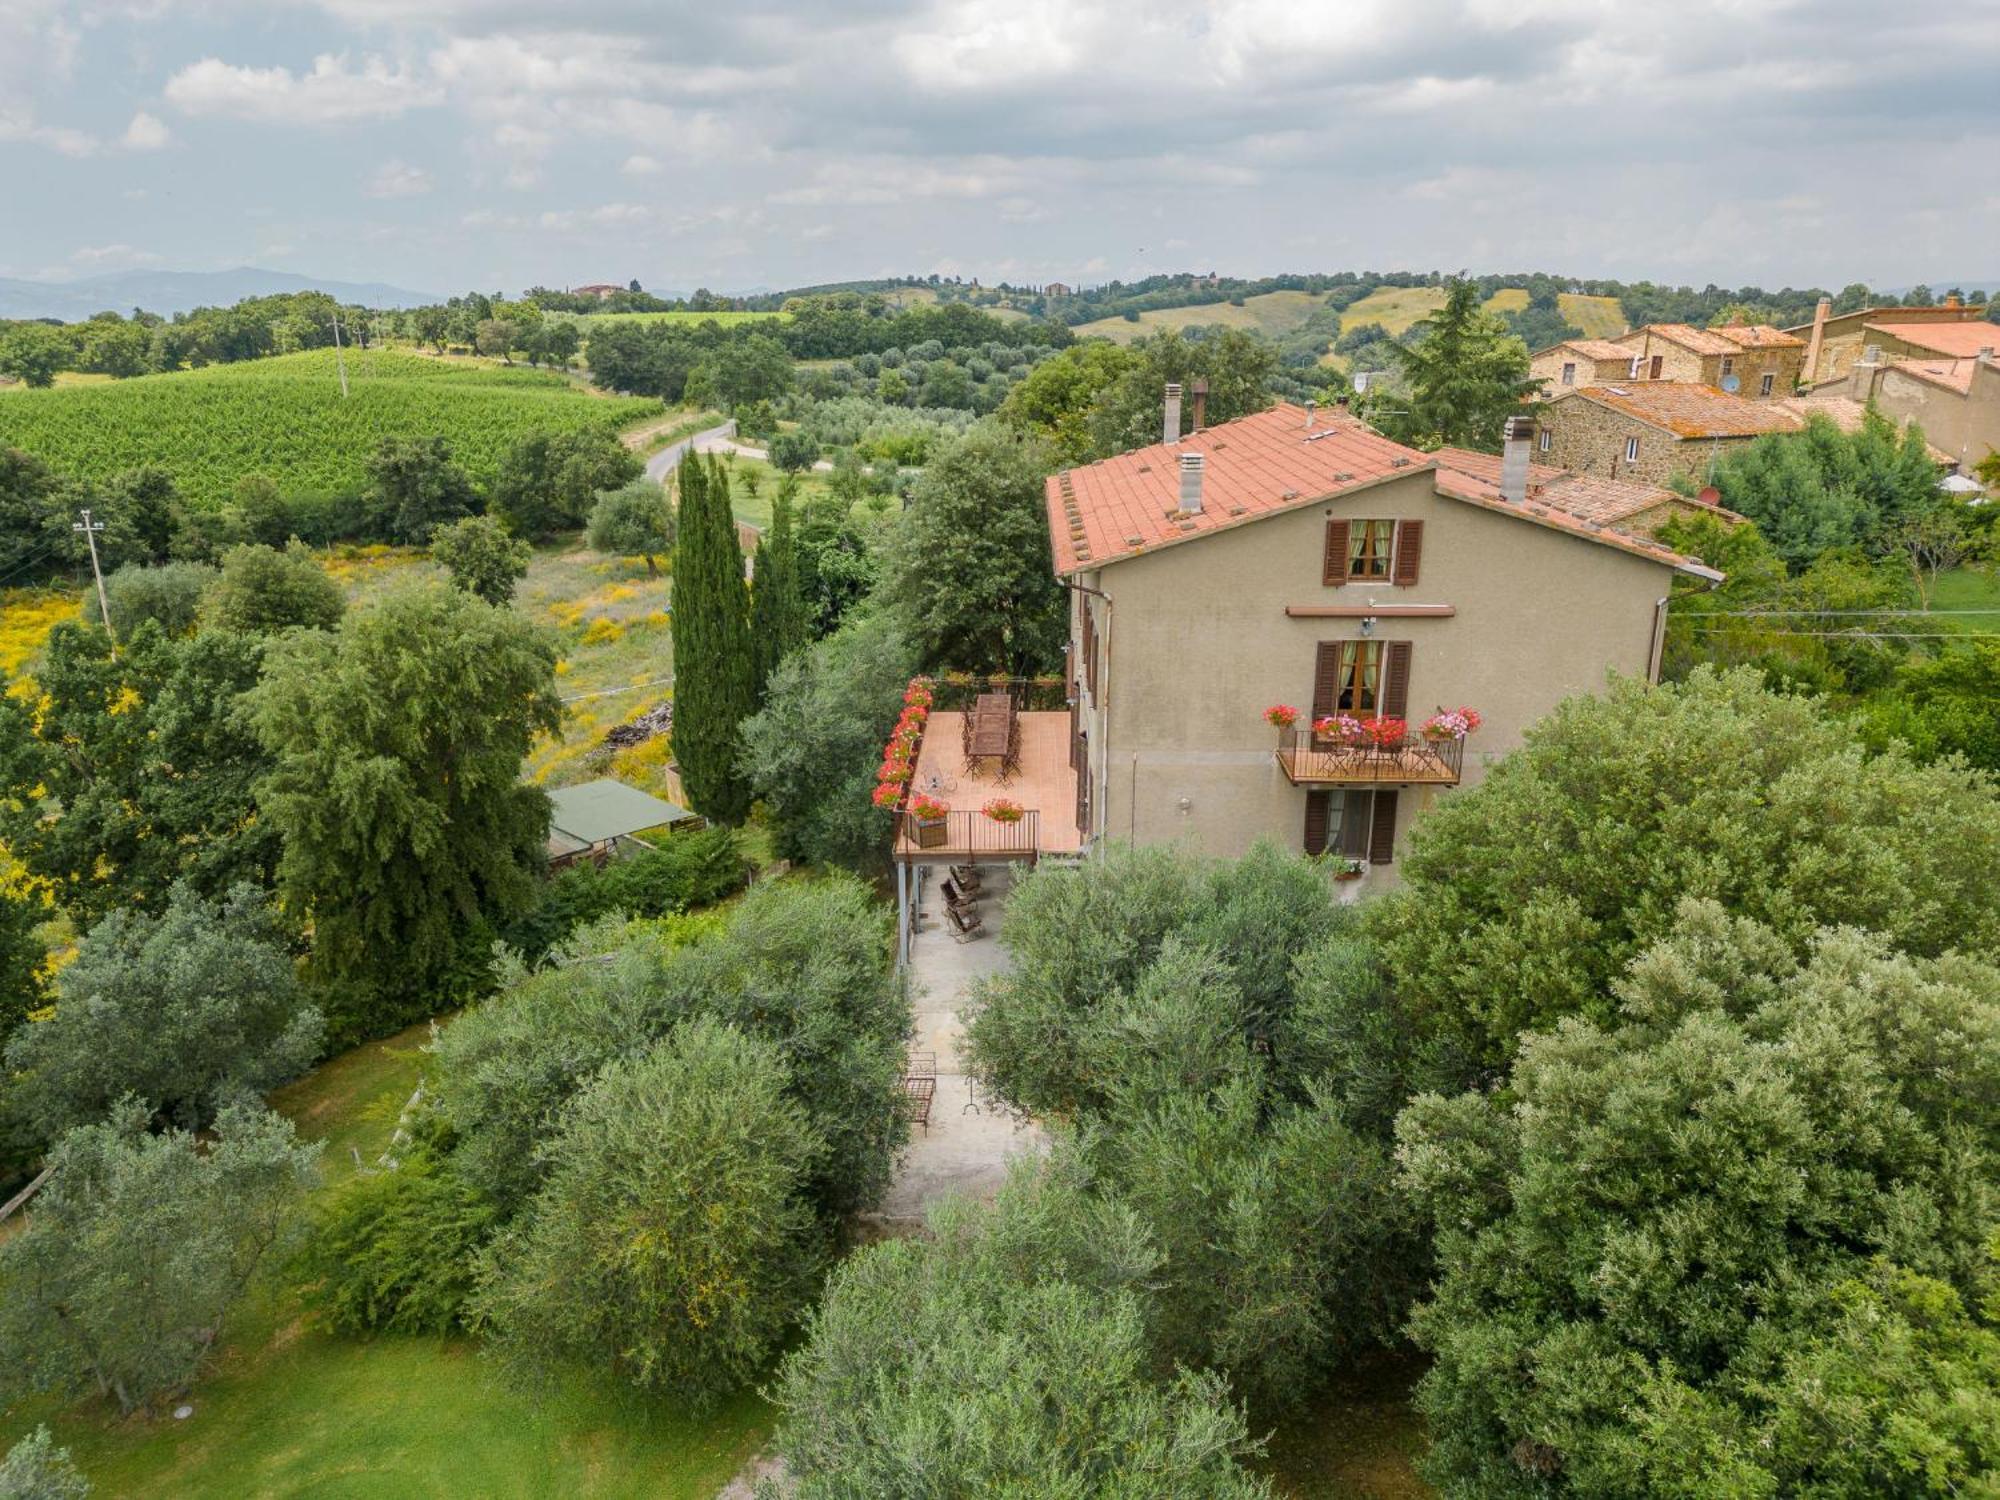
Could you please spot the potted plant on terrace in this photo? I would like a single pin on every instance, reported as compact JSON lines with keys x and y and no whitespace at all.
{"x":1450,"y":724}
{"x":1281,"y":716}
{"x":928,"y":814}
{"x":1003,"y":810}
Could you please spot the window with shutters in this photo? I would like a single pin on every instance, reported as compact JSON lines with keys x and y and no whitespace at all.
{"x":1356,"y":824}
{"x":1358,"y":685}
{"x":1370,"y":548}
{"x":1362,"y":677}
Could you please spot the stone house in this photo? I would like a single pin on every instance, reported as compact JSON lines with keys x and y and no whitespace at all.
{"x":1303,"y":559}
{"x":1955,"y":401}
{"x":1836,"y":342}
{"x":1579,"y":362}
{"x":1651,"y":430}
{"x":1748,"y":359}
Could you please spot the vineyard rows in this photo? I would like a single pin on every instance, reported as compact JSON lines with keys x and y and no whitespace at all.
{"x":285,"y":418}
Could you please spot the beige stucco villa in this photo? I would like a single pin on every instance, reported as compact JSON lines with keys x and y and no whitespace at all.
{"x":1303,"y":559}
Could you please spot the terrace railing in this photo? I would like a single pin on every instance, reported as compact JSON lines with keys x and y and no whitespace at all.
{"x":956,"y":692}
{"x":1310,"y":759}
{"x":972,"y":834}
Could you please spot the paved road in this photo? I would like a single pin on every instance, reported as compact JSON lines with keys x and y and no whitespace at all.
{"x":658,"y":465}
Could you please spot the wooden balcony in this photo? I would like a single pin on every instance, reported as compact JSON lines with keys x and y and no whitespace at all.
{"x":1315,"y":760}
{"x":1043,"y":783}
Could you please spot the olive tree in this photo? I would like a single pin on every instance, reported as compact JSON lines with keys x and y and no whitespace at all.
{"x":137,"y":1248}
{"x":1524,"y":897}
{"x":262,"y":590}
{"x":481,"y":558}
{"x":672,"y":1240}
{"x":182,"y":1012}
{"x":1653,"y":1245}
{"x":634,"y":520}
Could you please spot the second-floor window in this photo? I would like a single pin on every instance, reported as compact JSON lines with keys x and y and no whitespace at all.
{"x":1764,"y":387}
{"x":1631,"y":450}
{"x":1544,"y":439}
{"x":1358,"y":683}
{"x":1371,"y":546}
{"x":1569,"y":373}
{"x":1728,"y":364}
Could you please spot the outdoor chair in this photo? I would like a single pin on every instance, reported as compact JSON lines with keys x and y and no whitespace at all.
{"x":955,"y":897}
{"x":967,"y":877}
{"x":964,"y":926}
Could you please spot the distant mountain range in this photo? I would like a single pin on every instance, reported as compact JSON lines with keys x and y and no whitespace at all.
{"x":169,"y":292}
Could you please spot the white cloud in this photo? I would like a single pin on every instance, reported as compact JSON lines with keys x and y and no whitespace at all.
{"x":146,"y":133}
{"x":17,"y":124}
{"x":397,"y":179}
{"x":642,"y":166}
{"x":103,"y":257}
{"x":606,"y":216}
{"x":331,"y":93}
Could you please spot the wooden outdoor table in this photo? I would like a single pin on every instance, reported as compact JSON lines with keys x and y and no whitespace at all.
{"x":992,"y":724}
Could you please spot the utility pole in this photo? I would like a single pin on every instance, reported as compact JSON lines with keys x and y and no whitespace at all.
{"x":339,"y":355}
{"x":90,"y":528}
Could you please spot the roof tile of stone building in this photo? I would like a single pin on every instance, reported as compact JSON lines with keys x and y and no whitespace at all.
{"x":1591,"y":349}
{"x":1588,"y":497}
{"x":1261,"y":465}
{"x":1688,"y":409}
{"x":1952,"y":374}
{"x":1731,"y":339}
{"x":1956,"y":340}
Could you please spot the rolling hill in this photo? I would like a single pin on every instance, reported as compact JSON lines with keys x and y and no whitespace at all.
{"x":170,"y":292}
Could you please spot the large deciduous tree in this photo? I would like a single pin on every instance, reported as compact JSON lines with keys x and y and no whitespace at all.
{"x":1524,"y":897}
{"x":1463,"y":374}
{"x":184,"y":1012}
{"x":549,"y":481}
{"x":137,"y":1248}
{"x":714,"y":664}
{"x":1724,"y":1243}
{"x":415,"y":487}
{"x":398,"y":744}
{"x":263,"y":591}
{"x":969,"y":569}
{"x":137,"y":770}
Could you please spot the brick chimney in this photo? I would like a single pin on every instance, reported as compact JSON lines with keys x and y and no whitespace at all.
{"x":1820,"y":315}
{"x":1954,"y":301}
{"x":1170,"y":423}
{"x":1191,"y":467}
{"x":1200,"y":390}
{"x":1515,"y":438}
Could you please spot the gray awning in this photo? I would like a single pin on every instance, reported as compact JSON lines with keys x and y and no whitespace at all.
{"x":598,"y":811}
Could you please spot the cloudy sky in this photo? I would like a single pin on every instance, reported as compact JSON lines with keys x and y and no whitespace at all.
{"x":735,"y":143}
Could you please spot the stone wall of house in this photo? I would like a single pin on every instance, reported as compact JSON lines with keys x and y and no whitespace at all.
{"x":1750,"y":366}
{"x":1676,"y":362}
{"x":1548,"y":368}
{"x":1964,"y":424}
{"x":1590,"y":439}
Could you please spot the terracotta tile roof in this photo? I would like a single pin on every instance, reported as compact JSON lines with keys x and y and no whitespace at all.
{"x":1688,"y":409}
{"x":1700,"y":340}
{"x":1539,"y":510}
{"x":1952,"y":374}
{"x":1758,"y":336}
{"x":1591,"y":349}
{"x":1588,"y":497}
{"x":1263,"y":465}
{"x":1957,"y":340}
{"x":1256,"y":466}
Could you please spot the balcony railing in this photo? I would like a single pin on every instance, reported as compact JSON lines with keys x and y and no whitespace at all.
{"x":971,"y":834}
{"x":1319,"y":760}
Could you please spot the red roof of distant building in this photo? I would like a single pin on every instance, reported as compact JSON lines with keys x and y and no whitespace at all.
{"x":1956,"y":340}
{"x":1689,"y":409}
{"x":1732,"y":338}
{"x":1592,"y":349}
{"x":1260,"y":465}
{"x":1952,"y":374}
{"x":1588,"y":497}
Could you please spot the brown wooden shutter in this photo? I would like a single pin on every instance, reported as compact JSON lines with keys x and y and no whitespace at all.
{"x":1336,"y":553}
{"x":1409,"y":552}
{"x":1395,"y":679}
{"x":1382,"y":830}
{"x":1316,"y":811}
{"x":1354,"y":823}
{"x":1326,"y":679}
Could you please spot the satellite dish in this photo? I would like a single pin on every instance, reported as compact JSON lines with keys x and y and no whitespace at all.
{"x":1732,"y":383}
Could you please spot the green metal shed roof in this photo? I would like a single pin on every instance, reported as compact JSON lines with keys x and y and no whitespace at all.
{"x":598,"y":811}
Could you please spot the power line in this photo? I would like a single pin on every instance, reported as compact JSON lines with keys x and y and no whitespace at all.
{"x":1785,"y":614}
{"x":1869,"y":635}
{"x":31,"y":561}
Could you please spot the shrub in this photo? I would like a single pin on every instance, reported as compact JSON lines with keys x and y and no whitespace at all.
{"x":262,"y":591}
{"x":681,"y":873}
{"x":36,"y":1469}
{"x":170,"y":594}
{"x":394,"y":1251}
{"x":1649,"y":1244}
{"x":136,"y":1249}
{"x":481,"y":558}
{"x":183,"y":1012}
{"x":672,"y":1240}
{"x":635,"y":520}
{"x":1031,"y":1374}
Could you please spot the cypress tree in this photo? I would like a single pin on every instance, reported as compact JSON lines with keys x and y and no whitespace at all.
{"x":713,"y":665}
{"x":777,"y":602}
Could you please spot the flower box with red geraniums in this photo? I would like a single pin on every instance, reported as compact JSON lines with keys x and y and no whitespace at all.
{"x":1450,"y":724}
{"x":1004,"y":810}
{"x":1386,"y":734}
{"x":899,"y":755}
{"x":928,"y":809}
{"x":1281,"y":716}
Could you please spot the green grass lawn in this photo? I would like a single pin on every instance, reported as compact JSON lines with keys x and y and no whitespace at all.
{"x":1966,"y":590}
{"x":1355,"y":1441}
{"x":292,"y":1411}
